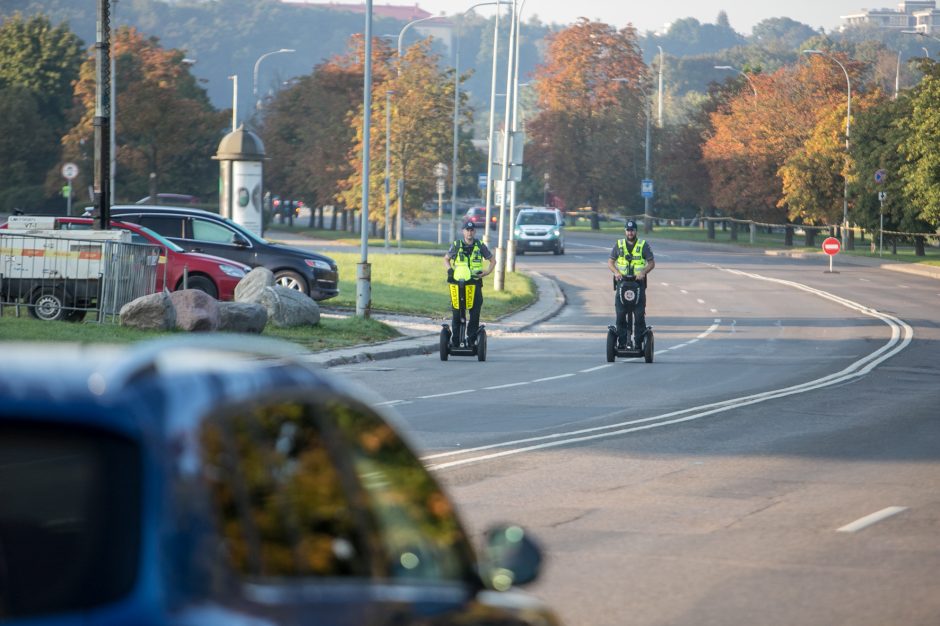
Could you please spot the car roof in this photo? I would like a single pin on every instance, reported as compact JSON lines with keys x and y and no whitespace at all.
{"x":162,"y":208}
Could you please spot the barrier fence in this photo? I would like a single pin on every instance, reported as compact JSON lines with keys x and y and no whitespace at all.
{"x":66,"y":278}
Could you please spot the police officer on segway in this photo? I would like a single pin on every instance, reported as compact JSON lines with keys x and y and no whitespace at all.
{"x":464,"y":261}
{"x":631,"y":257}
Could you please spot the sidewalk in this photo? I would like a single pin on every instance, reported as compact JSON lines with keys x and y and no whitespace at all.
{"x":919,"y":269}
{"x":422,"y":335}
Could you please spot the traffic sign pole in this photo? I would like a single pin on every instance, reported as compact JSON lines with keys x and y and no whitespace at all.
{"x":831,"y":246}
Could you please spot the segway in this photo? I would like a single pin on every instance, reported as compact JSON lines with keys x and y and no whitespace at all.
{"x":462,"y":293}
{"x":629,"y":291}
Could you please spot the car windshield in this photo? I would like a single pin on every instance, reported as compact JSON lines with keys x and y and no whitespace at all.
{"x":246,"y":233}
{"x":539,"y":219}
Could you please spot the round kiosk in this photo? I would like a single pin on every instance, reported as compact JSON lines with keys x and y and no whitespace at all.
{"x":240,"y":158}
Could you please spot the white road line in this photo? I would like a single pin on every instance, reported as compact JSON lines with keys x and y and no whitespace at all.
{"x":449,"y":393}
{"x":594,"y":369}
{"x":712,"y":310}
{"x":542,"y":380}
{"x":700,"y":301}
{"x":505,"y":386}
{"x":683,"y":291}
{"x":868,"y":520}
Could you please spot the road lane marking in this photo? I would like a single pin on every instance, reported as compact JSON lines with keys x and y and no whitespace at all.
{"x":594,"y":369}
{"x":542,"y":380}
{"x":700,"y":301}
{"x":449,"y":393}
{"x":526,"y":382}
{"x":869,"y":520}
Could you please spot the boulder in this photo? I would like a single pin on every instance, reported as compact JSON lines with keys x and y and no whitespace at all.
{"x":195,"y":310}
{"x":249,"y":288}
{"x":151,"y":312}
{"x":287,"y":307}
{"x":242,"y":317}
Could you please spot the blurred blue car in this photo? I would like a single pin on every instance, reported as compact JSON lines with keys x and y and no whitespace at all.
{"x":181,"y":482}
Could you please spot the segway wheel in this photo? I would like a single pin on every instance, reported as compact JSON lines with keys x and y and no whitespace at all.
{"x":445,"y":343}
{"x":481,"y":345}
{"x":611,"y":346}
{"x":648,"y":346}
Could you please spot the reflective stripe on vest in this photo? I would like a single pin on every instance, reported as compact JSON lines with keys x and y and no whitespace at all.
{"x":464,"y":266}
{"x":630,"y":264}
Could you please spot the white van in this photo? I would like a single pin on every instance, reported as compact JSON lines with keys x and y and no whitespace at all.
{"x":539,"y":230}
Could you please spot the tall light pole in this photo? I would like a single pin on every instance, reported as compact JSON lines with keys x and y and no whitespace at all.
{"x":254,"y":80}
{"x":234,"y":79}
{"x":454,"y":160}
{"x":500,"y":273}
{"x":488,"y":191}
{"x":742,"y":73}
{"x":511,"y":246}
{"x":363,"y":270}
{"x":897,"y":77}
{"x":848,"y":122}
{"x":659,"y":100}
{"x":388,"y":153}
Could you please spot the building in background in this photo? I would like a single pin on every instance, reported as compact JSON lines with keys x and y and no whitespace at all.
{"x":921,"y":15}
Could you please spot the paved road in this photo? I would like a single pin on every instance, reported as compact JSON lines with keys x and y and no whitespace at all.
{"x":731,"y":480}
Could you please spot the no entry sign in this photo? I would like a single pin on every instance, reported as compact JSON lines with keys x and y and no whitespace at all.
{"x":831,"y":246}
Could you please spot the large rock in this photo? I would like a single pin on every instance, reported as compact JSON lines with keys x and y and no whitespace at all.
{"x":152,"y":312}
{"x":195,"y":310}
{"x":242,"y":317}
{"x":249,"y":288}
{"x":288,"y":307}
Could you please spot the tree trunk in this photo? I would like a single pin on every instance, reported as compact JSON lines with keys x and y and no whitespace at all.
{"x":734,"y":231}
{"x":919,"y":246}
{"x":810,"y":240}
{"x":788,"y":236}
{"x":850,"y":240}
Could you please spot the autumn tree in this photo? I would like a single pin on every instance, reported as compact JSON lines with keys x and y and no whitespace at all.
{"x":593,"y":98}
{"x":307,"y":128}
{"x":755,"y":136}
{"x":38,"y":64}
{"x":164,"y":125}
{"x":421,"y":133}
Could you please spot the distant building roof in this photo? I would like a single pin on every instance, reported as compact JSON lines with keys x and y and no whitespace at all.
{"x":392,"y":11}
{"x":904,"y":17}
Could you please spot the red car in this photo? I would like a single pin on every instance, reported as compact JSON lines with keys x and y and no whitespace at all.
{"x":212,"y":274}
{"x":477,"y":215}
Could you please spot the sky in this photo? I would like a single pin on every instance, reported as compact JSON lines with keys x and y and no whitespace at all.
{"x":652,"y":15}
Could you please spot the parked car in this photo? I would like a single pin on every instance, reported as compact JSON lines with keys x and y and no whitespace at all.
{"x":196,"y":230}
{"x":184,"y":481}
{"x":539,"y":230}
{"x":477,"y":215}
{"x":212,"y":274}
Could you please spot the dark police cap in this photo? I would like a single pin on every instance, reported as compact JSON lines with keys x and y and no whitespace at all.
{"x":469,"y":225}
{"x":630,"y":225}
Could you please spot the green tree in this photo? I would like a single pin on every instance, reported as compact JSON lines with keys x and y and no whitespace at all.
{"x":165,"y":124}
{"x":921,"y":151}
{"x":38,"y":64}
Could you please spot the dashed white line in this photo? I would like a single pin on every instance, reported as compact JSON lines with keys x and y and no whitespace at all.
{"x":542,"y":380}
{"x":449,"y":393}
{"x":594,"y":369}
{"x":868,"y":520}
{"x":700,"y":301}
{"x":507,"y":386}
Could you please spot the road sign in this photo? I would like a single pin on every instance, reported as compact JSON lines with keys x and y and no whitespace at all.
{"x":880,"y":176}
{"x":481,"y":181}
{"x":882,"y":195}
{"x":646,"y":188}
{"x":440,"y":186}
{"x":69,"y":171}
{"x":831,"y":246}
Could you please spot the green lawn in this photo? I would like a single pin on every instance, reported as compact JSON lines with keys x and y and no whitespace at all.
{"x":352,"y":239}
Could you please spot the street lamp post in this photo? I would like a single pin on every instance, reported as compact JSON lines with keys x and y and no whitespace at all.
{"x":848,"y":117}
{"x":254,"y":81}
{"x":388,"y":147}
{"x":489,"y":138}
{"x":500,"y":273}
{"x":659,"y":101}
{"x":742,"y":73}
{"x":363,"y":269}
{"x":234,"y":79}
